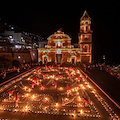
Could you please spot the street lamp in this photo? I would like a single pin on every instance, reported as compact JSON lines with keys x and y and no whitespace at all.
{"x":104,"y":58}
{"x":19,"y":57}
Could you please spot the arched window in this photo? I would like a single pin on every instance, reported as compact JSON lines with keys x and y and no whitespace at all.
{"x":86,"y":38}
{"x":58,"y":44}
{"x":85,"y":48}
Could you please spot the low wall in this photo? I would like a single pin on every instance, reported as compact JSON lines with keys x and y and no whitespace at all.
{"x":5,"y":85}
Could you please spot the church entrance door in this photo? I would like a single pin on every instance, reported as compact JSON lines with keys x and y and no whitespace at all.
{"x":73,"y":60}
{"x":58,"y":58}
{"x":45,"y":60}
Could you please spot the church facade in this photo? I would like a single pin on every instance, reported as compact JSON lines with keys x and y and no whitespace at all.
{"x":59,"y":49}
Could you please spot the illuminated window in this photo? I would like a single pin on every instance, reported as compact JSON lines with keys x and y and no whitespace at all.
{"x":12,"y":28}
{"x":85,"y":48}
{"x":10,"y":36}
{"x":18,"y":57}
{"x":59,"y":44}
{"x":86,"y":38}
{"x":82,"y":22}
{"x":18,"y":46}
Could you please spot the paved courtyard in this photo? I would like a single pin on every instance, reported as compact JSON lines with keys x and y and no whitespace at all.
{"x":50,"y":93}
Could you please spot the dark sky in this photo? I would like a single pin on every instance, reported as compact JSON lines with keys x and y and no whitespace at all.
{"x":45,"y":18}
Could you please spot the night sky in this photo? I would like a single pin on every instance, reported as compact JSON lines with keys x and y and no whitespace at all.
{"x":46,"y":18}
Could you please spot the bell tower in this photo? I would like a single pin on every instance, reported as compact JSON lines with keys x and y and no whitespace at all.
{"x":85,"y":39}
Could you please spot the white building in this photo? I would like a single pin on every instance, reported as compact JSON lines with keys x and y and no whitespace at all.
{"x":17,"y":37}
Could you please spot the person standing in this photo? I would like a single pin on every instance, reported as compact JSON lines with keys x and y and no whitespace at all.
{"x":4,"y":74}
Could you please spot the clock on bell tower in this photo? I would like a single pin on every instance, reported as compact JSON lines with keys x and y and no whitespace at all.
{"x":85,"y":39}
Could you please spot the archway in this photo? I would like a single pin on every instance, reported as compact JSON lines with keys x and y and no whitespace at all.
{"x":73,"y":60}
{"x":58,"y":58}
{"x":44,"y":59}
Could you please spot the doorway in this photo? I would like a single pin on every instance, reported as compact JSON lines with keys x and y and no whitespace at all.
{"x":58,"y":58}
{"x":45,"y":60}
{"x":73,"y":60}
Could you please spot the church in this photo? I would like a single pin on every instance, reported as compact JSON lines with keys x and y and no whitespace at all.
{"x":60,"y":51}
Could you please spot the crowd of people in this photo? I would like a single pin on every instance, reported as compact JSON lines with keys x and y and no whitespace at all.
{"x":112,"y":72}
{"x":3,"y":73}
{"x":102,"y":67}
{"x":27,"y":66}
{"x":93,"y":66}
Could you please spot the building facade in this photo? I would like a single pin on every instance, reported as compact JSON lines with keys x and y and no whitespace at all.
{"x":85,"y":39}
{"x":59,"y":49}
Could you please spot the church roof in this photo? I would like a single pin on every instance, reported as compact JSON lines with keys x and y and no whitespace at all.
{"x":85,"y":16}
{"x":59,"y":35}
